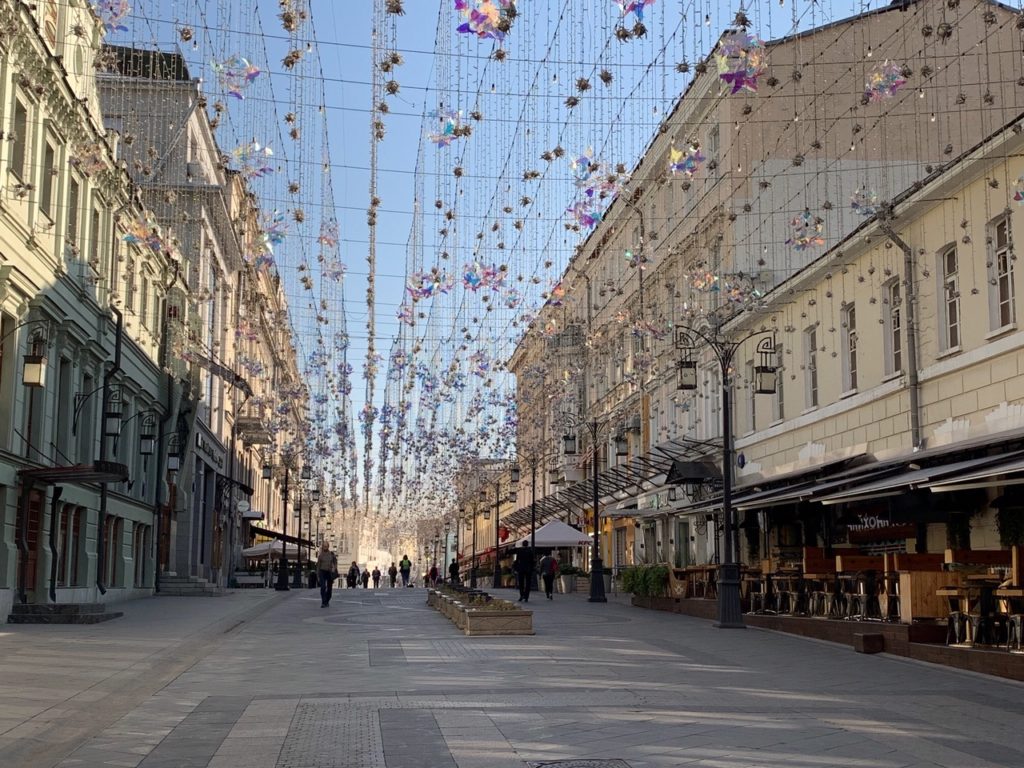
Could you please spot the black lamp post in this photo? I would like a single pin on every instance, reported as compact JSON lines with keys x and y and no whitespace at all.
{"x":730,"y":610}
{"x":597,"y":594}
{"x":282,"y":568}
{"x":472,"y":567}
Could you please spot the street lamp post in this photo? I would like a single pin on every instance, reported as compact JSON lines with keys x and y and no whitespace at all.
{"x":472,"y":567}
{"x":282,"y":566}
{"x":730,"y":610}
{"x":597,"y":594}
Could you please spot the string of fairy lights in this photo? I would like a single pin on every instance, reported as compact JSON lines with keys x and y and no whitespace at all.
{"x":494,"y":162}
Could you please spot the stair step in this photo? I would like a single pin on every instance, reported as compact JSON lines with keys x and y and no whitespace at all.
{"x":70,"y":613}
{"x":56,"y":609}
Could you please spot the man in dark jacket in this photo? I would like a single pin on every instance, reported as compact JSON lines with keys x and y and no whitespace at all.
{"x":523,"y":566}
{"x":453,"y":572}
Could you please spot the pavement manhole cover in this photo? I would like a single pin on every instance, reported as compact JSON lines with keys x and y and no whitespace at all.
{"x":581,"y":764}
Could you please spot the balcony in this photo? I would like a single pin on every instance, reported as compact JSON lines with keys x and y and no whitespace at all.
{"x":253,"y":427}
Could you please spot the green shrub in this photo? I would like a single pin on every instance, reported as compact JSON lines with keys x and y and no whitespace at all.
{"x":645,"y":580}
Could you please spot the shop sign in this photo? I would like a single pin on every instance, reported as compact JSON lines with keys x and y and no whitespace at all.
{"x":209,"y":451}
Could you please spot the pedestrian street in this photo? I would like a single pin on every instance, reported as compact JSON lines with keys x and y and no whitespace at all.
{"x":378,"y":680}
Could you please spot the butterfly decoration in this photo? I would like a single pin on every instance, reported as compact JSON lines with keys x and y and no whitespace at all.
{"x":90,"y":158}
{"x":583,"y":168}
{"x":806,"y":231}
{"x":252,"y":160}
{"x":475,"y":276}
{"x":450,"y":122}
{"x":556,"y":295}
{"x":235,"y":74}
{"x":741,"y":61}
{"x":636,"y":7}
{"x":884,"y":81}
{"x":1018,"y":190}
{"x":405,"y":315}
{"x":486,"y":19}
{"x":703,"y":279}
{"x":112,"y":13}
{"x":864,"y":202}
{"x":585,"y":214}
{"x":333,"y":271}
{"x":684,"y":161}
{"x":328,"y":234}
{"x":144,"y":232}
{"x":425,"y":285}
{"x":275,"y":229}
{"x":479,"y":363}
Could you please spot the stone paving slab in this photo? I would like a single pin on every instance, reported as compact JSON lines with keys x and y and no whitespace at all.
{"x":380,"y":681}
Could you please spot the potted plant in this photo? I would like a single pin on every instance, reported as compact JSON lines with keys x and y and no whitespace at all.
{"x":567,"y":578}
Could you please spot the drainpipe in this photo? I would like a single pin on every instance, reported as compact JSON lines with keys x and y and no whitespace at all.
{"x":54,"y":554}
{"x":910,"y":296}
{"x":107,"y":378}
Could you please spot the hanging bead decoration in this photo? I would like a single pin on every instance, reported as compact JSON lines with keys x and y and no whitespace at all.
{"x":806,"y":231}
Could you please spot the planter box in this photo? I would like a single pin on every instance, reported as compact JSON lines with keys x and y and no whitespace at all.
{"x":480,"y":622}
{"x":246,"y":580}
{"x":567,"y":584}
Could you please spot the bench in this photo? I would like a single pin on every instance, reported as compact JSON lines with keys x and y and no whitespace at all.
{"x":978,"y":556}
{"x":247,"y":580}
{"x":857,"y":563}
{"x":917,"y":561}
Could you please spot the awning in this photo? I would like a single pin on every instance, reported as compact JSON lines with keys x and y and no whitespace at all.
{"x":692,"y":472}
{"x":280,"y":536}
{"x":983,"y":478}
{"x":918,"y":477}
{"x":97,"y":472}
{"x":619,"y":483}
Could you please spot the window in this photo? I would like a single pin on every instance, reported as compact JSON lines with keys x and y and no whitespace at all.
{"x":849,"y":315}
{"x":129,"y":285}
{"x":74,"y":201}
{"x":712,"y":415}
{"x":48,"y":181}
{"x":778,"y":399}
{"x":19,"y":140}
{"x":144,"y":301}
{"x":94,"y":246}
{"x":712,"y":153}
{"x":949,"y":307}
{"x":892,"y":323}
{"x":751,"y":414}
{"x":1001,"y":297}
{"x":811,"y":366}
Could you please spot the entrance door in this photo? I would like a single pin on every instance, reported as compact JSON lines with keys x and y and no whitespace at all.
{"x":35,"y":519}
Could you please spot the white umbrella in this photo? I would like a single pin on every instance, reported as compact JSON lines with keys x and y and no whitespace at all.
{"x":271,"y":549}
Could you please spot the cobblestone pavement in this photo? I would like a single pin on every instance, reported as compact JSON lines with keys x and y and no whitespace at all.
{"x":378,"y":680}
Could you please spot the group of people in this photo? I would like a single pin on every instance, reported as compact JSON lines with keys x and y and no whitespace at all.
{"x":524,"y":566}
{"x":327,"y":572}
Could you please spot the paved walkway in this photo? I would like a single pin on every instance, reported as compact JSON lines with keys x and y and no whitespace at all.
{"x":264,"y":680}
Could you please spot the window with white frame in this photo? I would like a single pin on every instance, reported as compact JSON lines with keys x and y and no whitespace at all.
{"x":892,"y":325}
{"x":751,"y":409}
{"x":778,"y":400}
{"x":1001,"y":296}
{"x":811,"y":367}
{"x":713,"y":148}
{"x":129,"y":284}
{"x":48,"y":180}
{"x":19,"y":139}
{"x":949,"y":304}
{"x":849,"y":321}
{"x":74,"y":205}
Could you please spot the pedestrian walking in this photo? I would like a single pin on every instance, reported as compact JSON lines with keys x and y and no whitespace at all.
{"x":366,"y":578}
{"x":353,"y":575}
{"x":434,"y":573}
{"x":453,"y":572}
{"x":405,"y":568}
{"x":376,"y":577}
{"x":523,"y":566}
{"x":393,"y":575}
{"x":327,"y":572}
{"x":548,"y":571}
